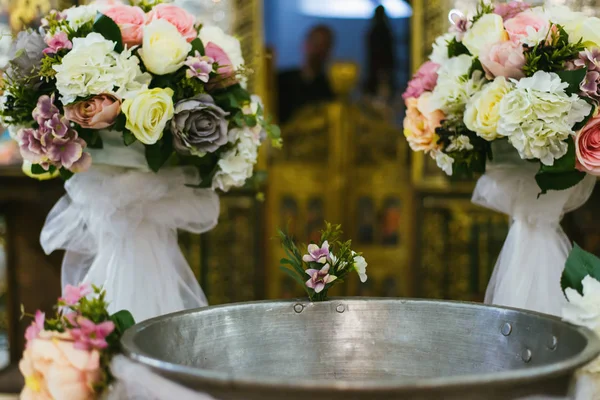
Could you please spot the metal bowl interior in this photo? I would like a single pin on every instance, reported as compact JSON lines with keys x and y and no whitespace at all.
{"x":359,"y":344}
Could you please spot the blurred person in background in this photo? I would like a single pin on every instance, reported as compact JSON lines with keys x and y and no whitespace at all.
{"x":309,"y":84}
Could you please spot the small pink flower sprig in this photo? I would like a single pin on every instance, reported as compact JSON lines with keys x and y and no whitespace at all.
{"x":76,"y":346}
{"x":325,"y":263}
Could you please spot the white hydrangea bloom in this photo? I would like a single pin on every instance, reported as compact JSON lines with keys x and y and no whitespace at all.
{"x":439,"y":55}
{"x":93,"y":67}
{"x":454,"y":86}
{"x":538,"y":116}
{"x":78,"y":16}
{"x":237,"y":165}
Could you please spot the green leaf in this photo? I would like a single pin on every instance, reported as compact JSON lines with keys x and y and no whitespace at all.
{"x":456,"y":48}
{"x":37,"y":169}
{"x":91,"y":137}
{"x":128,"y":138}
{"x":250,"y":120}
{"x":562,"y":174}
{"x":157,"y":154}
{"x":198,"y":46}
{"x":123,"y":320}
{"x":560,"y":181}
{"x":573,"y":78}
{"x":579,"y":264}
{"x":65,"y":174}
{"x":293,"y":275}
{"x":120,"y":123}
{"x":109,"y":29}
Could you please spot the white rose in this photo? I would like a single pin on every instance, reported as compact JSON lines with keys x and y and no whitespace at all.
{"x":164,"y":49}
{"x":230,"y":45}
{"x":483,"y":109}
{"x":439,"y":55}
{"x":488,"y":30}
{"x":93,"y":67}
{"x":443,"y":161}
{"x":80,"y":15}
{"x":459,"y":143}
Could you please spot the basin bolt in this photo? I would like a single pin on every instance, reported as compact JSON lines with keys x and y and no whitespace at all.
{"x":553,"y":343}
{"x":526,"y":356}
{"x":340,"y":308}
{"x":298,"y":308}
{"x":506,"y":329}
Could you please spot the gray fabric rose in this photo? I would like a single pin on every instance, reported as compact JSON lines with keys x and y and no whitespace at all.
{"x":199,"y":126}
{"x":26,"y":55}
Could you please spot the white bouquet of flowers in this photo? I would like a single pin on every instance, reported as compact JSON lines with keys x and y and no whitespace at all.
{"x":146,"y":115}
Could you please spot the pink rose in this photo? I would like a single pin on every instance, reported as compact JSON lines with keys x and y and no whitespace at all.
{"x":420,"y":123}
{"x":423,"y":81}
{"x":60,"y":41}
{"x":54,"y":369}
{"x":527,"y":25}
{"x":99,"y":112}
{"x":177,"y":16}
{"x":503,"y":59}
{"x":510,"y":10}
{"x":226,"y":71}
{"x":587,"y":147}
{"x":131,"y":21}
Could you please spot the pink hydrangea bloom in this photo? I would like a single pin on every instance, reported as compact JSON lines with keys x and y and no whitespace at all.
{"x":423,"y":81}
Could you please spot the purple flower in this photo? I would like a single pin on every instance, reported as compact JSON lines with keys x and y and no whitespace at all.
{"x":319,"y":278}
{"x":590,"y":87}
{"x":45,"y":109}
{"x":60,"y":41}
{"x":67,"y":153}
{"x":59,"y":126}
{"x":316,"y":253}
{"x":55,"y":142}
{"x":88,"y":335}
{"x":199,"y":67}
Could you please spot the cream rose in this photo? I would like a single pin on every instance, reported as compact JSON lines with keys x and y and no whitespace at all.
{"x":482,"y":111}
{"x":148,"y":113}
{"x":587,"y":29}
{"x":487,"y":31}
{"x":164,"y":50}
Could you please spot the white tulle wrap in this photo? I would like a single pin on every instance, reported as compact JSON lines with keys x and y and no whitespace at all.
{"x":136,"y":382}
{"x":119,"y":226}
{"x":528,"y":271}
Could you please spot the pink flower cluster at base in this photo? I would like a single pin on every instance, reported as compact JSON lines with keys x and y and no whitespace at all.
{"x":55,"y":369}
{"x":54,"y":142}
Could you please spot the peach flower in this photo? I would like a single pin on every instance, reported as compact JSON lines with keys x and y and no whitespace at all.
{"x":504,"y":59}
{"x":527,"y":27}
{"x":99,"y":112}
{"x":177,"y":16}
{"x":420,"y":123}
{"x":54,"y":369}
{"x":587,"y":147}
{"x":130,"y":20}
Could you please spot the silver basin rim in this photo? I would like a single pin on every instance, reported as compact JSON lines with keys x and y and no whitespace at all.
{"x":225,"y":379}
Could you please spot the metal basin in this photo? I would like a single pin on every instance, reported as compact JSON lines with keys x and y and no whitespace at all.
{"x":363,"y":349}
